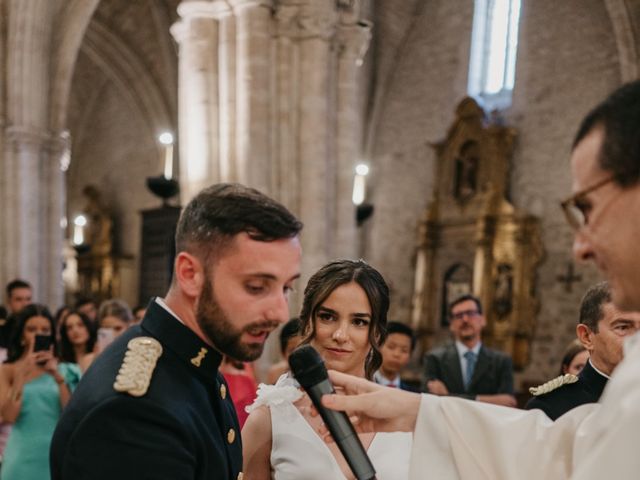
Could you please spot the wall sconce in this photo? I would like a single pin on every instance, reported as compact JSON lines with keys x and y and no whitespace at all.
{"x":79,"y":222}
{"x":165,"y":186}
{"x":363,"y":209}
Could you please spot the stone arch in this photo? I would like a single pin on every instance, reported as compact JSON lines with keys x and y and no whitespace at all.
{"x":129,"y":74}
{"x":385,"y":75}
{"x":625,"y":39}
{"x":74,"y":19}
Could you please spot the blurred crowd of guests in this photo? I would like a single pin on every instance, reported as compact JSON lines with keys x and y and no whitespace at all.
{"x":44,"y":356}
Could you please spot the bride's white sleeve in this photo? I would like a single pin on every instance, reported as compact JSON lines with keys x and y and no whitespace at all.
{"x":285,"y":392}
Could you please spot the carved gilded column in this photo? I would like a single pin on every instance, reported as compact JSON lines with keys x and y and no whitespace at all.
{"x":253,"y":93}
{"x":197,"y":34}
{"x":353,"y":40}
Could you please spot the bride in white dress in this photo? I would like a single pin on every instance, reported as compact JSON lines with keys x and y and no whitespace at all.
{"x":344,"y":316}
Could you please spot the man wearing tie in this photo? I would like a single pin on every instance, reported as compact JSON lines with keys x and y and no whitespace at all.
{"x":466,"y":368}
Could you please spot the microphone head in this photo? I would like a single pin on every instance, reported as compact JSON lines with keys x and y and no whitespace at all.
{"x":307,"y":366}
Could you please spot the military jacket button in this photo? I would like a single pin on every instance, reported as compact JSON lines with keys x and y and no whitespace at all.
{"x":223,"y":391}
{"x":231,"y":435}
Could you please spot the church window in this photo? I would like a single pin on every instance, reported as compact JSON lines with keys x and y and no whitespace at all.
{"x":494,"y":43}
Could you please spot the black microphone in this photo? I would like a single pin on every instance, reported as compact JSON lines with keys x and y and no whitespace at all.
{"x":309,"y":370}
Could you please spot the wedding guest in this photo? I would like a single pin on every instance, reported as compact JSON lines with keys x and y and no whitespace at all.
{"x":396,"y":353}
{"x":78,"y":337}
{"x":289,"y":340}
{"x":35,"y":388}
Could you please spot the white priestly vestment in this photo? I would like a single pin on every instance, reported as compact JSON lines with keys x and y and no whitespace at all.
{"x":461,"y":439}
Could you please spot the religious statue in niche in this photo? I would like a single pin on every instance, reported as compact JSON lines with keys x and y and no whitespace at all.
{"x":457,"y":282}
{"x":466,"y":171}
{"x":99,"y":223}
{"x":503,"y":290}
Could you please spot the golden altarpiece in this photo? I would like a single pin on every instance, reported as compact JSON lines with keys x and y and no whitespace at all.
{"x":101,"y":274}
{"x":472,"y":240}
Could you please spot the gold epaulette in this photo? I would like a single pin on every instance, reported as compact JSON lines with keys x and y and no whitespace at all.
{"x":137,"y":366}
{"x":551,"y":385}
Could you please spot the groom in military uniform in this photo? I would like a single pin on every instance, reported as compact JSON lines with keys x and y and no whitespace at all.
{"x":153,"y":405}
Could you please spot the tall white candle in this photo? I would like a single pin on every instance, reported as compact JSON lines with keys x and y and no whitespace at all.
{"x":360,"y":184}
{"x":168,"y":162}
{"x":78,"y":229}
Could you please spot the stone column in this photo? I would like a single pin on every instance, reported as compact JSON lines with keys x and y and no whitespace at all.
{"x":353,"y":41}
{"x":197,"y":34}
{"x":310,"y":26}
{"x":23,"y":217}
{"x":253,"y":93}
{"x":31,"y":248}
{"x":285,"y":166}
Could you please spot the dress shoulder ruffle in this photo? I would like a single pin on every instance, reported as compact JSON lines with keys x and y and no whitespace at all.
{"x":284,"y":392}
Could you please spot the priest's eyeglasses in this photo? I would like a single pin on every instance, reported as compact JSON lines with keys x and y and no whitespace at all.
{"x":576,"y":207}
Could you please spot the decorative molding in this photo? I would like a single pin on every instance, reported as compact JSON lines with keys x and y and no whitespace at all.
{"x":243,"y":4}
{"x":354,"y":40}
{"x":197,"y":10}
{"x":350,"y":10}
{"x":22,"y":136}
{"x":303,"y":20}
{"x":203,"y":9}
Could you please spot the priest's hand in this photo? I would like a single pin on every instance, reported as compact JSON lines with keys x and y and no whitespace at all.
{"x":372,"y":407}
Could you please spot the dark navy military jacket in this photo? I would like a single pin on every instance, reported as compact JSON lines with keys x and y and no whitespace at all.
{"x":184,"y":427}
{"x":587,"y":389}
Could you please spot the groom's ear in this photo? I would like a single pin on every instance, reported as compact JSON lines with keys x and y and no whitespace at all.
{"x":189,"y":275}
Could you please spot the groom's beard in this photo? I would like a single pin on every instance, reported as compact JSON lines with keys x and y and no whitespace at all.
{"x":216,"y":325}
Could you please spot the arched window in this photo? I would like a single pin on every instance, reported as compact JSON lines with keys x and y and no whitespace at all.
{"x":494,"y":43}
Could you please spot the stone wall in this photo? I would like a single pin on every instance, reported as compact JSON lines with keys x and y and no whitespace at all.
{"x":567,"y":62}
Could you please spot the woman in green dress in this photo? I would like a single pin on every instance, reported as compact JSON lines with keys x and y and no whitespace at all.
{"x":34,"y":388}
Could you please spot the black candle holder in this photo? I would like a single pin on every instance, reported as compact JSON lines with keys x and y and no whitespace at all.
{"x":82,"y":248}
{"x":163,"y":187}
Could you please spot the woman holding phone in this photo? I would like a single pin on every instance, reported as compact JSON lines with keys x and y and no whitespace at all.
{"x":34,"y":388}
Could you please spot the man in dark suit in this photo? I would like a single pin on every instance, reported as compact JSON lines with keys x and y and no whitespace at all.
{"x":466,"y":368}
{"x":602,"y":329}
{"x":153,"y":405}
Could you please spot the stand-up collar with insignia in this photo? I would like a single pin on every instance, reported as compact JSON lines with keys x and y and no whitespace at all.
{"x":593,"y":380}
{"x":177,"y":337}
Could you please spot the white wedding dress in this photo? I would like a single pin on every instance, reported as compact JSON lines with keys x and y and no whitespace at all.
{"x":298,"y":453}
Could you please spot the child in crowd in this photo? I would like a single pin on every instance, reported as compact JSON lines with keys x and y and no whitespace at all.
{"x":289,"y":339}
{"x":396,"y":352}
